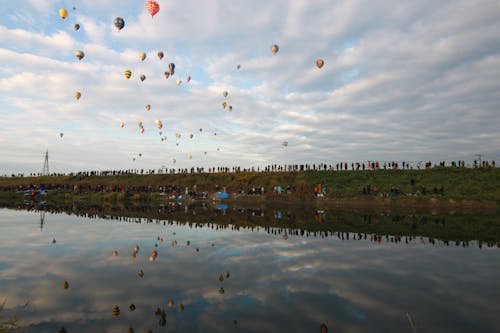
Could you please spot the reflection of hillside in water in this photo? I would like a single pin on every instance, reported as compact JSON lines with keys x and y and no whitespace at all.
{"x":303,"y":221}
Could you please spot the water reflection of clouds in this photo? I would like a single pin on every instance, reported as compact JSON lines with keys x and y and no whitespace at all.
{"x":274,"y":285}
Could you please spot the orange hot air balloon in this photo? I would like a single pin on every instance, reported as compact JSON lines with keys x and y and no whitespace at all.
{"x":320,"y":63}
{"x":152,"y":7}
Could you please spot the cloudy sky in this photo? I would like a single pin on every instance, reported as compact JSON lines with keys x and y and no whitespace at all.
{"x":407,"y":81}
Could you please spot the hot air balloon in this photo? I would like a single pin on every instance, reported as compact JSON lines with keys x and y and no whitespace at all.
{"x":116,"y":311}
{"x":148,"y":107}
{"x":79,"y":54}
{"x":139,"y":123}
{"x":142,"y":77}
{"x":159,"y":125}
{"x":132,"y":307}
{"x":285,"y":143}
{"x":201,"y":129}
{"x":275,"y":48}
{"x":221,"y":277}
{"x":221,"y":290}
{"x":152,"y":7}
{"x":142,"y":56}
{"x":76,"y":26}
{"x":61,"y":134}
{"x":171,"y":68}
{"x":230,"y":107}
{"x":63,"y":13}
{"x":188,"y":78}
{"x":119,"y":23}
{"x":78,"y":95}
{"x":65,"y":285}
{"x":171,"y":303}
{"x":225,"y":93}
{"x":167,"y":75}
{"x":122,"y":124}
{"x":141,"y":274}
{"x":160,"y":54}
{"x":173,"y":161}
{"x":127,"y":73}
{"x":141,"y":130}
{"x":224,"y":104}
{"x":320,"y":63}
{"x":238,"y":66}
{"x":178,"y":135}
{"x":179,"y":81}
{"x":191,"y":135}
{"x":181,"y":307}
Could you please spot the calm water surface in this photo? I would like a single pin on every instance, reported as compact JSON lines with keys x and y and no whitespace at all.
{"x":277,"y":282}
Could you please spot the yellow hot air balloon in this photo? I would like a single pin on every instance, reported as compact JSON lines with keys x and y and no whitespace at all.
{"x":63,"y":13}
{"x":275,"y":48}
{"x":224,"y":104}
{"x":78,"y":95}
{"x":179,"y":81}
{"x":142,"y":56}
{"x":148,"y":107}
{"x":139,"y":123}
{"x":127,"y":73}
{"x":177,"y":135}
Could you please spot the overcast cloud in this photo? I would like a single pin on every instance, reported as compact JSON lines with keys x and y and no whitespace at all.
{"x":402,"y":81}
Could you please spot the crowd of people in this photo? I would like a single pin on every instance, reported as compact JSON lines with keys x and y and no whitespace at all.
{"x":341,"y":166}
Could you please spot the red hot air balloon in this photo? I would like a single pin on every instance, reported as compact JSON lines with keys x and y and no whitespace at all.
{"x":152,"y":7}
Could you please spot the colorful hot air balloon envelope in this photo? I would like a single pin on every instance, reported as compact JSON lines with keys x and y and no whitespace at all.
{"x":79,"y":54}
{"x":141,"y":130}
{"x":142,"y":56}
{"x":148,"y":107}
{"x":171,"y":68}
{"x":76,"y":26}
{"x":143,"y":77}
{"x":116,"y":311}
{"x":122,"y":124}
{"x":188,"y":78}
{"x":119,"y":23}
{"x":152,"y":7}
{"x":275,"y":48}
{"x":63,"y":13}
{"x":139,"y":123}
{"x":179,"y":81}
{"x":127,"y":73}
{"x":225,"y":93}
{"x":224,"y":104}
{"x":78,"y":95}
{"x":320,"y":63}
{"x":167,"y":75}
{"x":160,"y":54}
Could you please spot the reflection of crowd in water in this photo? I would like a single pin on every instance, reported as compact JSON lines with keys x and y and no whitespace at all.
{"x":281,"y":216}
{"x":340,"y":166}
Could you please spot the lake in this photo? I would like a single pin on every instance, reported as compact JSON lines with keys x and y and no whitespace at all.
{"x":229,"y":269}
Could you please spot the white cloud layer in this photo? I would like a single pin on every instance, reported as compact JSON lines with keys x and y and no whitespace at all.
{"x":401,"y":81}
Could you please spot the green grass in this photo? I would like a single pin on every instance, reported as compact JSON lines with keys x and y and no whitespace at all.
{"x":458,"y":183}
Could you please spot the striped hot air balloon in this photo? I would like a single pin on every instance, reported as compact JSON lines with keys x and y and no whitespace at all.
{"x":127,"y":73}
{"x":152,"y":7}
